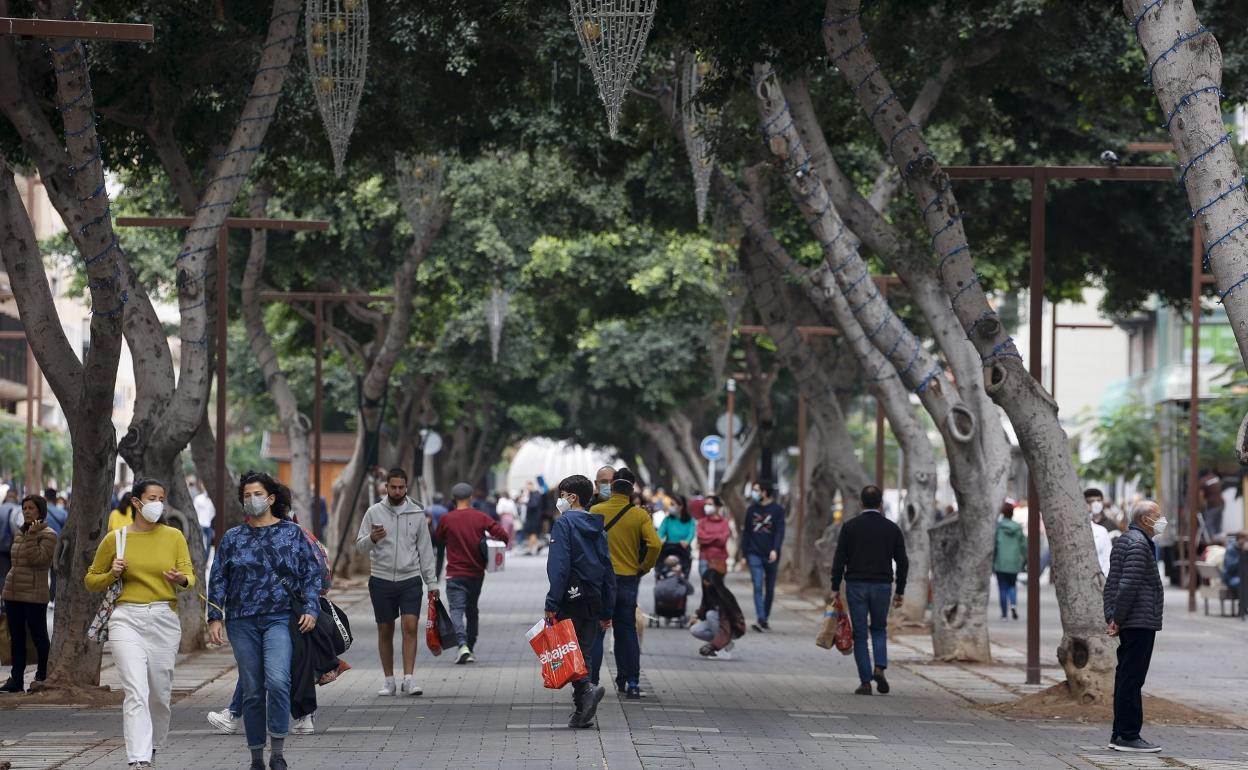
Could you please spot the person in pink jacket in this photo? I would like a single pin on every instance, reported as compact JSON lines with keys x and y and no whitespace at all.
{"x":714,"y":532}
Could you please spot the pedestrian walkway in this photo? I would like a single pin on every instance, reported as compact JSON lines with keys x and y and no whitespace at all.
{"x":781,"y":702}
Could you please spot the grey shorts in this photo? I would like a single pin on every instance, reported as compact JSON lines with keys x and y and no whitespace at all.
{"x":391,"y":598}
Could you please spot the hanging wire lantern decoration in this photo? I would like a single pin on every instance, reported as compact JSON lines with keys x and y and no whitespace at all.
{"x":613,"y":35}
{"x":696,"y":120}
{"x":495,"y":314}
{"x":420,"y":187}
{"x":337,"y":43}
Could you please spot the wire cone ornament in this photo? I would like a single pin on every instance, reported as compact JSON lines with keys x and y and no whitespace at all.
{"x":495,"y":314}
{"x":696,"y":120}
{"x":613,"y":35}
{"x":420,"y":187}
{"x":337,"y":43}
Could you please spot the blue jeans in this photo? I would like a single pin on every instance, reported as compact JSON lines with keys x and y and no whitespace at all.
{"x":869,"y":599}
{"x":624,"y":625}
{"x":262,"y":649}
{"x":763,"y":573}
{"x":463,"y":593}
{"x":1007,"y":591}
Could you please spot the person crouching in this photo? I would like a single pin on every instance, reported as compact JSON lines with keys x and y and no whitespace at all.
{"x":582,"y":584}
{"x":721,"y":612}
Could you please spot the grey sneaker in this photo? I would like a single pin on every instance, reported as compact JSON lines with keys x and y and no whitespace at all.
{"x":1136,"y":745}
{"x":225,"y":722}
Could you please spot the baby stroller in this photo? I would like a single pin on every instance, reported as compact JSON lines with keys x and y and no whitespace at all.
{"x":671,"y":589}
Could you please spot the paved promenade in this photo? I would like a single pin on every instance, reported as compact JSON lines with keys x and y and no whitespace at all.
{"x":780,"y":703}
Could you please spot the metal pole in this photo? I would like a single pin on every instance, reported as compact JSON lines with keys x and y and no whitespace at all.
{"x":801,"y":482}
{"x":1036,"y":329}
{"x":223,"y":267}
{"x":30,"y":423}
{"x":1053,"y":353}
{"x":879,"y":444}
{"x":316,"y":427}
{"x":732,"y":415}
{"x":1193,"y":426}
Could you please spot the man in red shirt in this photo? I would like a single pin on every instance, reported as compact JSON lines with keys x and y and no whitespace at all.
{"x":462,"y":529}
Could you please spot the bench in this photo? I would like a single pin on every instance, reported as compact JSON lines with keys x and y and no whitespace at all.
{"x":1212,"y":587}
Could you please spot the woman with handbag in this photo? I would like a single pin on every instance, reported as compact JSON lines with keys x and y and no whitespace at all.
{"x":152,"y":563}
{"x":265,"y":571}
{"x":26,"y":591}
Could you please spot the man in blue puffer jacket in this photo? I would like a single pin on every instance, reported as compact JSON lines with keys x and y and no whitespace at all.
{"x":582,"y":584}
{"x":1134,"y":601}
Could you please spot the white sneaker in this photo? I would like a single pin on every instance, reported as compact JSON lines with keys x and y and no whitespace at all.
{"x":388,"y":688}
{"x":302,"y":726}
{"x":409,"y":687}
{"x":465,"y":655}
{"x":225,"y":722}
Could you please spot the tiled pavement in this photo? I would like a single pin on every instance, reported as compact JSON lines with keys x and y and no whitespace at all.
{"x":780,"y":703}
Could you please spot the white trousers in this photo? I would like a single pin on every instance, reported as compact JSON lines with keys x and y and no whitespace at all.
{"x":143,"y":639}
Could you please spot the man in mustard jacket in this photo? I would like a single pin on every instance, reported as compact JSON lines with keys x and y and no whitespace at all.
{"x":634,"y":547}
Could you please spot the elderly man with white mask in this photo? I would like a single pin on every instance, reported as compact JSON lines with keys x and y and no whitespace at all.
{"x":1133,"y":603}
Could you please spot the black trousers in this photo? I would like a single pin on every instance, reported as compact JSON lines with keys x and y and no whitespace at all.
{"x":1135,"y":652}
{"x":27,"y":618}
{"x":588,"y":629}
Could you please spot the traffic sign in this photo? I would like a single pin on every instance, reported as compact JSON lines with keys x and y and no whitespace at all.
{"x":712,"y":447}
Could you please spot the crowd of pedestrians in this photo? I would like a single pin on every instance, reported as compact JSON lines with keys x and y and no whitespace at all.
{"x":269,"y":577}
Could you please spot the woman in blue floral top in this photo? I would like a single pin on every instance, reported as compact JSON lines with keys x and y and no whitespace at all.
{"x":265,"y":571}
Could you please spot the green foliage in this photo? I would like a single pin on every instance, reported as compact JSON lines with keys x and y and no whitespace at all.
{"x":53,"y":446}
{"x":1127,"y":440}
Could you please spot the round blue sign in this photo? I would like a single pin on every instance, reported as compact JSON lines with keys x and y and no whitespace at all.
{"x":712,"y":447}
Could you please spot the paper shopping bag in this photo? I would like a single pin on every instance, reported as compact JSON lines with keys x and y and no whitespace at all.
{"x":559,"y":653}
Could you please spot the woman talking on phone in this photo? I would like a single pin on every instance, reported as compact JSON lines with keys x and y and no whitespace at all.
{"x":265,"y":571}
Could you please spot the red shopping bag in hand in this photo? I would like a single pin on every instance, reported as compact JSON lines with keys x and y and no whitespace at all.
{"x":559,"y":653}
{"x":433,"y":640}
{"x":844,"y":629}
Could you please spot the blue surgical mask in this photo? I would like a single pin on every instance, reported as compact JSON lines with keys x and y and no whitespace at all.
{"x":604,"y":490}
{"x":755,"y":495}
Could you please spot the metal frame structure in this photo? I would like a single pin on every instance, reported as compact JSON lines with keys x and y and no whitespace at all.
{"x":223,"y":299}
{"x":1040,"y":176}
{"x":318,"y":300}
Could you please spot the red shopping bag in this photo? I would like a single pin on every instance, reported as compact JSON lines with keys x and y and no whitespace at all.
{"x":559,"y":653}
{"x":844,"y":629}
{"x":433,"y":640}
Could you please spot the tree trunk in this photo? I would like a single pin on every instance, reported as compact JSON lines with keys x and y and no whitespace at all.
{"x":85,"y":389}
{"x":294,"y":424}
{"x":974,"y":445}
{"x":1186,"y":72}
{"x":1084,"y":651}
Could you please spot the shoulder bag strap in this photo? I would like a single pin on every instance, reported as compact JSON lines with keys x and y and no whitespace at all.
{"x":628,"y":507}
{"x":121,"y":542}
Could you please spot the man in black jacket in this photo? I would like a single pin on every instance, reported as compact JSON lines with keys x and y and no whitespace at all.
{"x":865,"y":552}
{"x":1133,"y":608}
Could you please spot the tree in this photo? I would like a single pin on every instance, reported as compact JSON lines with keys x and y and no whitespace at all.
{"x":1084,"y":652}
{"x":1185,"y":69}
{"x":74,"y":177}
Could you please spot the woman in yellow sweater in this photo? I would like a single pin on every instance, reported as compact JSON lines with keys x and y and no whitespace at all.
{"x":154,"y":564}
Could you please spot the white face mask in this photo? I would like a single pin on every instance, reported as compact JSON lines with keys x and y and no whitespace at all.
{"x":257,"y":505}
{"x":710,"y":510}
{"x":563,"y":505}
{"x":152,"y":511}
{"x":1097,"y":506}
{"x":1159,"y":526}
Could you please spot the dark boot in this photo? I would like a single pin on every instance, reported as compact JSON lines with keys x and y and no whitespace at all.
{"x":12,"y":685}
{"x":580,"y":699}
{"x":594,"y":697}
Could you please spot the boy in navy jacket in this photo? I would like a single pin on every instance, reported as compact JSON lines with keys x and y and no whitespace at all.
{"x":582,"y":583}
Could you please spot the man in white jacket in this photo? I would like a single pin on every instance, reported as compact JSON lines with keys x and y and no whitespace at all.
{"x":395,"y":535}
